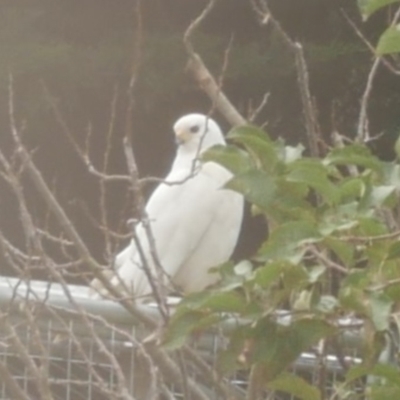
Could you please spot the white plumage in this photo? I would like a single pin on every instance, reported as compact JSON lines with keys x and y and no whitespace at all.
{"x":195,"y":224}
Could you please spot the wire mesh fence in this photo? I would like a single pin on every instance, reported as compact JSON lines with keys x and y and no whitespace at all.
{"x":58,"y":343}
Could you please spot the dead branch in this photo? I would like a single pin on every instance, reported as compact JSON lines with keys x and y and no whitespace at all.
{"x":171,"y":372}
{"x":309,"y":110}
{"x":363,"y":134}
{"x":40,"y":379}
{"x":154,"y":281}
{"x":103,"y":191}
{"x":203,"y":76}
{"x":254,"y":112}
{"x":326,"y":260}
{"x":13,"y":388}
{"x":256,"y":382}
{"x":170,"y":368}
{"x":369,"y":45}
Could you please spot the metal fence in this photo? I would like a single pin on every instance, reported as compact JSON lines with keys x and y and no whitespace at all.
{"x":58,"y":340}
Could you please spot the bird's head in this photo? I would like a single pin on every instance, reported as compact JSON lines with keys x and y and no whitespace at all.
{"x":197,"y":132}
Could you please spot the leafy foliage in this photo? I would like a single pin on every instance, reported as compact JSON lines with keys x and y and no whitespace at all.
{"x":333,"y":246}
{"x":368,"y":7}
{"x":331,"y":251}
{"x":389,"y":42}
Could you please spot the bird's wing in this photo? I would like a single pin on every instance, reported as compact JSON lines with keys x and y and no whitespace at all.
{"x":180,"y":216}
{"x":215,"y":246}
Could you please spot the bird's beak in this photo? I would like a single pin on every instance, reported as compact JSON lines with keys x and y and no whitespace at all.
{"x":181,"y":137}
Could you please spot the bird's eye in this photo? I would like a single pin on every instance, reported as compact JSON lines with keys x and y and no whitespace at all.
{"x":194,"y":129}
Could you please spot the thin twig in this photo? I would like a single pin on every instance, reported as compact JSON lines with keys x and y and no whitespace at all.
{"x":254,"y":113}
{"x":369,"y":239}
{"x":326,"y":260}
{"x":363,"y":133}
{"x":140,"y":211}
{"x":62,"y":218}
{"x":369,"y":45}
{"x":312,"y":127}
{"x":103,"y":189}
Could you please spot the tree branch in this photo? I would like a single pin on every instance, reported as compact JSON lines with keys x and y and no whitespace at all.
{"x":203,"y":76}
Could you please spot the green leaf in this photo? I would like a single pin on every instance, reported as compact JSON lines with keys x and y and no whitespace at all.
{"x":277,"y":346}
{"x":342,"y":218}
{"x":393,"y":293}
{"x":389,"y":372}
{"x":315,"y":273}
{"x":231,"y":157}
{"x":290,"y":202}
{"x":380,"y":310}
{"x":258,"y":144}
{"x":357,"y":279}
{"x":228,"y":359}
{"x":377,"y":196}
{"x":397,"y":148}
{"x":351,"y":189}
{"x":182,"y":326}
{"x":394,"y":251}
{"x":384,"y":393}
{"x":354,"y":154}
{"x":342,"y":249}
{"x":224,"y":302}
{"x":242,"y":133}
{"x":286,"y":242}
{"x":314,"y":174}
{"x":386,"y":371}
{"x":392,"y":174}
{"x":257,"y":187}
{"x":215,"y":301}
{"x":295,"y":386}
{"x":302,"y":301}
{"x":371,"y":226}
{"x":368,"y":7}
{"x":200,"y":311}
{"x":229,"y":278}
{"x":353,"y":299}
{"x":269,"y":274}
{"x":389,"y":42}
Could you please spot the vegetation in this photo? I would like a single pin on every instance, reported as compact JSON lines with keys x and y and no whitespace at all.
{"x":332,"y":251}
{"x":331,"y":259}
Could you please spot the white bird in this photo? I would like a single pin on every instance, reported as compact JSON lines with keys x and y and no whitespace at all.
{"x":195,"y":222}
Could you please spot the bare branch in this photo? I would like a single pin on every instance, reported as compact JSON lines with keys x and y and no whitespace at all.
{"x":308,"y":104}
{"x":256,"y":379}
{"x":154,"y":281}
{"x":311,"y":120}
{"x":40,"y":380}
{"x":103,"y":191}
{"x":255,"y":112}
{"x":172,"y":372}
{"x":363,"y":133}
{"x":370,"y":47}
{"x":203,"y":76}
{"x":13,"y":388}
{"x":326,"y":260}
